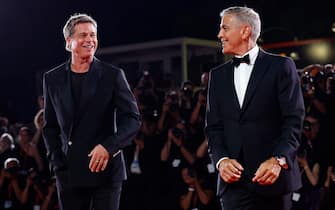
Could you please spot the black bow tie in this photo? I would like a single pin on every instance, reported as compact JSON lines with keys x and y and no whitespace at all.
{"x":244,"y":59}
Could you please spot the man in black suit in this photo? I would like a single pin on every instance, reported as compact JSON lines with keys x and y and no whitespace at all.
{"x":90,"y":115}
{"x":254,"y":118}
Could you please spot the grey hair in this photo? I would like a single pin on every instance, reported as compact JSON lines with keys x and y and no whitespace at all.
{"x":246,"y":15}
{"x":75,"y":19}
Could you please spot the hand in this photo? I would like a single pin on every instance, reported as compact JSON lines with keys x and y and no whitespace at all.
{"x":268,"y":172}
{"x":8,"y":175}
{"x":166,"y":107}
{"x":51,"y":188}
{"x":202,"y":99}
{"x":139,"y":143}
{"x":31,"y":150}
{"x":99,"y":158}
{"x":177,"y":141}
{"x":302,"y":162}
{"x":29,"y":181}
{"x":230,"y":170}
{"x":311,"y":93}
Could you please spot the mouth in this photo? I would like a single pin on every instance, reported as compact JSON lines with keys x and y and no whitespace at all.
{"x":223,"y":42}
{"x":88,"y":46}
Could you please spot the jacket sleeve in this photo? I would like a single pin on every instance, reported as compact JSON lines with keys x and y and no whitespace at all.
{"x":214,"y":128}
{"x":292,"y":111}
{"x":127,"y":120}
{"x":51,"y":130}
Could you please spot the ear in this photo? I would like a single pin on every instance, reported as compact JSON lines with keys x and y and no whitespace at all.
{"x":246,"y":32}
{"x":68,"y":43}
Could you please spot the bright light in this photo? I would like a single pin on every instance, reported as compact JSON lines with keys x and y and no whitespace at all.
{"x":294,"y":55}
{"x":333,"y":27}
{"x":319,"y":52}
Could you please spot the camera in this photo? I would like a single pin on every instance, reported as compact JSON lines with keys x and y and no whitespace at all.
{"x":174,"y":101}
{"x":307,"y":82}
{"x":330,"y":82}
{"x":307,"y":126}
{"x":145,"y":80}
{"x":177,"y":132}
{"x":188,"y":92}
{"x":191,"y":172}
{"x":204,"y":92}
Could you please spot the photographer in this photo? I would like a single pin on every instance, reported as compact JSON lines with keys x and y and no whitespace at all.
{"x":170,"y":111}
{"x":7,"y":148}
{"x":30,"y":155}
{"x":200,"y":99}
{"x":197,"y":194}
{"x":175,"y":145}
{"x":308,"y":197}
{"x":186,"y":99}
{"x":174,"y":154}
{"x":198,"y":113}
{"x":10,"y":181}
{"x":328,"y":202}
{"x":146,"y":94}
{"x":145,"y":168}
{"x":313,"y":89}
{"x":50,"y":201}
{"x":32,"y":194}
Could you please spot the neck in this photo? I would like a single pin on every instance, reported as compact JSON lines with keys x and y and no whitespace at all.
{"x":246,"y":48}
{"x":81,"y":64}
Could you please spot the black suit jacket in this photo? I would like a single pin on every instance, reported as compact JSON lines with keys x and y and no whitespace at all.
{"x":107,"y":115}
{"x":268,"y":124}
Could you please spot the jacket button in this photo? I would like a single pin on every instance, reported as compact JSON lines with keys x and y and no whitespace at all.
{"x":69,"y":143}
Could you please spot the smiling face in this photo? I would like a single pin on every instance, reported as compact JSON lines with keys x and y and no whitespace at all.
{"x":83,"y":42}
{"x":233,"y":35}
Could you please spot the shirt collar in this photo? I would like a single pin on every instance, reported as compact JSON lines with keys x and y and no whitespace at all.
{"x":252,"y":54}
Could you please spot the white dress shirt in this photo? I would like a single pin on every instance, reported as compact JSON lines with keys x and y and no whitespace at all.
{"x":241,"y":79}
{"x":242,"y":74}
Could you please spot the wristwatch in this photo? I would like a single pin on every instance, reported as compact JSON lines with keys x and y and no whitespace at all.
{"x":282,"y":161}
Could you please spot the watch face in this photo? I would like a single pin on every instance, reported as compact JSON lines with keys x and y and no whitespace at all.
{"x":282,"y":162}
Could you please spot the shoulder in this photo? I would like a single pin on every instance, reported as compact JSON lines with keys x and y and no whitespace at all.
{"x":54,"y":72}
{"x":221,"y":68}
{"x":107,"y":67}
{"x":275,"y":58}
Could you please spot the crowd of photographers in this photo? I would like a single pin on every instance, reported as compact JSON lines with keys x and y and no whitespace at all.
{"x":169,"y":167}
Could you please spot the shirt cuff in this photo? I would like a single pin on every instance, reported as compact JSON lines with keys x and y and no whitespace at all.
{"x":116,"y":153}
{"x":218,"y":163}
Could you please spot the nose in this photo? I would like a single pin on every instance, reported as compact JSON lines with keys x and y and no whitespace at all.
{"x":219,"y":34}
{"x":88,"y":38}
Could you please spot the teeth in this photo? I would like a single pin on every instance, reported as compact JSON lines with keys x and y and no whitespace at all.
{"x":88,"y":46}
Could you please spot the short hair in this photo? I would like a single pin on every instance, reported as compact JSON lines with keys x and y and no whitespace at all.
{"x":75,"y":19}
{"x":246,"y":15}
{"x":9,"y":139}
{"x":8,"y":160}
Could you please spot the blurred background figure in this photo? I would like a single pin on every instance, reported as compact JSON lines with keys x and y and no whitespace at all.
{"x":308,"y":196}
{"x":196,"y":192}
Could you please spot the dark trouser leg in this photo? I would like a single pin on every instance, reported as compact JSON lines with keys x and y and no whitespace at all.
{"x":107,"y":197}
{"x":238,"y":197}
{"x":74,"y":199}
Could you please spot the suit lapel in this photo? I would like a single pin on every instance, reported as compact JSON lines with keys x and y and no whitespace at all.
{"x":232,"y":85}
{"x":65,"y":93}
{"x":260,"y":67}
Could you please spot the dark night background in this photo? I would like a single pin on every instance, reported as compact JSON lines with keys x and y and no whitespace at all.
{"x":32,"y":40}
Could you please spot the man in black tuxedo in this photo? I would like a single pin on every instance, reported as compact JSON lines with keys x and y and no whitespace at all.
{"x":254,"y":118}
{"x":90,"y":115}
